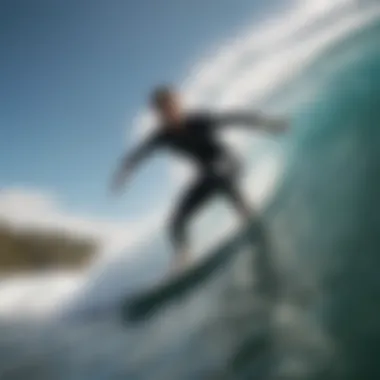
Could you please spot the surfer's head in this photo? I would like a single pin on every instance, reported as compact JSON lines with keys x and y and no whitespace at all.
{"x":167,"y":103}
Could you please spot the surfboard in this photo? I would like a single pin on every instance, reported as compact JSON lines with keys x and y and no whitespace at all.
{"x":145,"y":303}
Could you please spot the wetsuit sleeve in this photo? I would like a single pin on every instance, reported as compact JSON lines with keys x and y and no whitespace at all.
{"x":251,"y":120}
{"x":142,"y":151}
{"x":132,"y":159}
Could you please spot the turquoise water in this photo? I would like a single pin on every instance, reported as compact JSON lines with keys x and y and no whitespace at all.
{"x":324,"y":228}
{"x":329,"y":208}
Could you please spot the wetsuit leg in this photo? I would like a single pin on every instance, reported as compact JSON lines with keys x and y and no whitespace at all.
{"x":257,"y":236}
{"x":230,"y":188}
{"x":194,"y":197}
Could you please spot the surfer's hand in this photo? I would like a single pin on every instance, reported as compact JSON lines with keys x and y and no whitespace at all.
{"x":114,"y":188}
{"x":117,"y":183}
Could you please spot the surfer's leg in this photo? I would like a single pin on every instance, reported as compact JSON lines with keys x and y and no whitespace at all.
{"x":256,"y":234}
{"x":248,"y":215}
{"x":238,"y":200}
{"x":194,"y":197}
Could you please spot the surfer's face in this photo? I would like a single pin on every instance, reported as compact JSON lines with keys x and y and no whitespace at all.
{"x":170,"y":110}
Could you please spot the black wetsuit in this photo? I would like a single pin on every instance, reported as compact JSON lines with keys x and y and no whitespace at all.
{"x":217,"y":167}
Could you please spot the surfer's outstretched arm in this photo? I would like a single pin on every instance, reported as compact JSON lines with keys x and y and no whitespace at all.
{"x":256,"y":120}
{"x":131,"y":160}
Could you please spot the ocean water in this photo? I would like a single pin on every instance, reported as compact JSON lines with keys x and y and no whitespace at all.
{"x":325,"y":240}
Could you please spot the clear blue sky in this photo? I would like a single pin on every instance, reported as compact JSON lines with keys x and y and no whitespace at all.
{"x":73,"y":73}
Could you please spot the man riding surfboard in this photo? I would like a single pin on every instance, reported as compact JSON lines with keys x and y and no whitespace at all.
{"x":194,"y":135}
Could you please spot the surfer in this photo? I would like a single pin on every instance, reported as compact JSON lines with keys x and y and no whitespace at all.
{"x":193,"y":134}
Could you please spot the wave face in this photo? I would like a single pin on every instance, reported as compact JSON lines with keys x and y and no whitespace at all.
{"x":325,"y":233}
{"x":327,"y":213}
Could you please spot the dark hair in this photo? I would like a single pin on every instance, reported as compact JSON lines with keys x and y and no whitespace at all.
{"x":160,"y":95}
